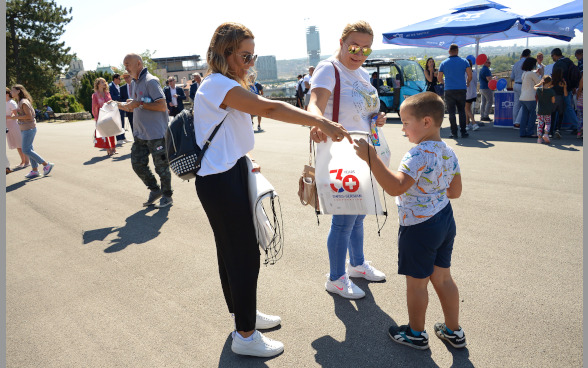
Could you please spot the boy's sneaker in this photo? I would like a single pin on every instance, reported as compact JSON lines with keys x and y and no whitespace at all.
{"x":539,"y":140}
{"x":164,"y":202}
{"x":403,"y":335}
{"x":265,"y":321}
{"x":344,"y":287}
{"x":475,"y":127}
{"x":47,"y":169}
{"x":259,"y":345}
{"x":366,"y":271}
{"x":153,"y":196}
{"x":557,"y":134}
{"x":456,"y":338}
{"x":545,"y":138}
{"x":469,"y":127}
{"x":32,"y":174}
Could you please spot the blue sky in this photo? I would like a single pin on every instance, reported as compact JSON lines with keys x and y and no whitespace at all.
{"x":106,"y":30}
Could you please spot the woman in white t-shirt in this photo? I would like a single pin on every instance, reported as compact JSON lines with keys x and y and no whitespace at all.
{"x":358,"y":104}
{"x":471,"y":96}
{"x":222,"y":184}
{"x":528,"y":110}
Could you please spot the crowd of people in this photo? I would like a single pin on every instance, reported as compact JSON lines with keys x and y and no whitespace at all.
{"x":332,"y":99}
{"x":528,"y":76}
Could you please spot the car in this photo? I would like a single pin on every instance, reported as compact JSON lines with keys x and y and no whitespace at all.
{"x":395,"y":80}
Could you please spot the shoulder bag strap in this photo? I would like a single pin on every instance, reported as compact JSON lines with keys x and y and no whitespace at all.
{"x":337,"y":94}
{"x":207,"y":143}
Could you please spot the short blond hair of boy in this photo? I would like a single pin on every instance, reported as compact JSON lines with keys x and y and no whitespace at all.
{"x":426,"y":104}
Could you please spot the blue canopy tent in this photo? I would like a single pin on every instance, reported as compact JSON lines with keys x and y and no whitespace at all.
{"x":559,"y":21}
{"x":471,"y":23}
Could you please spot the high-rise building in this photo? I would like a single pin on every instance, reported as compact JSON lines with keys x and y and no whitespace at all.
{"x":267,"y":68}
{"x":313,"y":45}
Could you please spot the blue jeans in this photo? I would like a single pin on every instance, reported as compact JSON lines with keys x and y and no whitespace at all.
{"x":528,"y":115}
{"x":28,"y":136}
{"x":346,"y":233}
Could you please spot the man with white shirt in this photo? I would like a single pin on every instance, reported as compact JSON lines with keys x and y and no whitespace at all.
{"x":516,"y":75}
{"x":174,"y":97}
{"x":114,"y":89}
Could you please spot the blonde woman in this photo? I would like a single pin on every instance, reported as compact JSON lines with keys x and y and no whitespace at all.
{"x":13,"y":136}
{"x":28,"y":129}
{"x":222,"y":184}
{"x":101,"y":96}
{"x":355,"y":114}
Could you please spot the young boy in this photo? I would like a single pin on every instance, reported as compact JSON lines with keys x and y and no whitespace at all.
{"x":427,"y":178}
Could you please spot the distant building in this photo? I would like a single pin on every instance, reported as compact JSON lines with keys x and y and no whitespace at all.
{"x":106,"y":69}
{"x":179,"y":67}
{"x":267,"y":68}
{"x":313,"y":45}
{"x":74,"y":74}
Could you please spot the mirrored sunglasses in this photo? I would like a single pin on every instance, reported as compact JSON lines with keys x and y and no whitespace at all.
{"x":248,"y":58}
{"x":354,"y":49}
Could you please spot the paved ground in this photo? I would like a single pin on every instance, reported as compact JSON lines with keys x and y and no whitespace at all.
{"x":96,"y":280}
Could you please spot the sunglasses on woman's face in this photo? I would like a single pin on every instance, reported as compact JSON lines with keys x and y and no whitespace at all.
{"x":354,"y":49}
{"x":248,"y":58}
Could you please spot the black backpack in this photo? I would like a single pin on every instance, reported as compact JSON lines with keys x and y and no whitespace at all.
{"x":183,"y":153}
{"x":573,"y":76}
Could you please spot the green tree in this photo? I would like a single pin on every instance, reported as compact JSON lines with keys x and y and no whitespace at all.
{"x":63,"y":102}
{"x":34,"y":55}
{"x":86,"y":87}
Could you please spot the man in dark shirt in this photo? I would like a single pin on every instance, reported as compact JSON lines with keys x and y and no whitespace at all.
{"x":194,"y":86}
{"x":560,"y":73}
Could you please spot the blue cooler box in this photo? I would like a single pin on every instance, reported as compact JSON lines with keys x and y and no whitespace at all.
{"x":503,"y":106}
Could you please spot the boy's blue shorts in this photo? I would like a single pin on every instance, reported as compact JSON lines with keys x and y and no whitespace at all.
{"x":425,"y":245}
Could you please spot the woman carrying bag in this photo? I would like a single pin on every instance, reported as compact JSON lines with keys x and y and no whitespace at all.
{"x":358,"y":104}
{"x":222,"y":183}
{"x":101,"y":96}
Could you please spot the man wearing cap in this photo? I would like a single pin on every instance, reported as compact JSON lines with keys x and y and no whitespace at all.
{"x":516,"y":75}
{"x":485,"y":91}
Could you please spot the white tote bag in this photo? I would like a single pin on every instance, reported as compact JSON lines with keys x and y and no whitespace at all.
{"x":344,"y":182}
{"x":109,"y":123}
{"x":268,"y":229}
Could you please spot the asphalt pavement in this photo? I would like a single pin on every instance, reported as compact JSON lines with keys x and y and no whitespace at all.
{"x":94,"y":279}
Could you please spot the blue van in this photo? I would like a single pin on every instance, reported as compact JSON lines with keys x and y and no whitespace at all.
{"x":395,"y":79}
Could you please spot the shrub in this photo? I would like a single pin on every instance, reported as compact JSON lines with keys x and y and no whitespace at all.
{"x":61,"y":102}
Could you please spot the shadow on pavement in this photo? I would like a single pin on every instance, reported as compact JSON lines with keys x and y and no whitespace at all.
{"x":366,"y":343}
{"x":228,"y":359}
{"x":94,"y":160}
{"x":15,"y":186}
{"x":140,"y":228}
{"x":121,"y":158}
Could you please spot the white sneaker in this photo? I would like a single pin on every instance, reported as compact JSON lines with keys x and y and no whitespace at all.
{"x":366,"y":271}
{"x":265,"y":321}
{"x":475,"y":127}
{"x":469,"y":127}
{"x":344,"y":287}
{"x":259,"y":346}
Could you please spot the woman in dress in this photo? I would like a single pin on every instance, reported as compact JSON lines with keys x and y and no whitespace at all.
{"x":28,"y":129}
{"x":355,"y":114}
{"x":431,"y":75}
{"x":222,"y":183}
{"x":99,"y":98}
{"x":13,"y":136}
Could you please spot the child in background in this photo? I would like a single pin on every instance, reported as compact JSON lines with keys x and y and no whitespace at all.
{"x":427,"y":178}
{"x":545,"y":103}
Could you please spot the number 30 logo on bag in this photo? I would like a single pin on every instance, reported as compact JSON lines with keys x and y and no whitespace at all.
{"x":349,"y":182}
